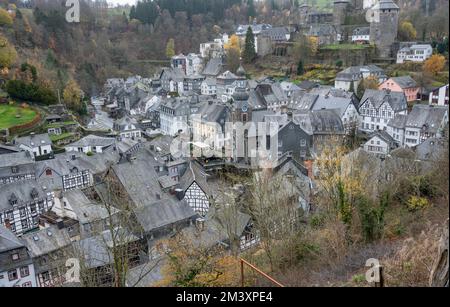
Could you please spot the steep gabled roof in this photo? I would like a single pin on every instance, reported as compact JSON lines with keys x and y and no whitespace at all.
{"x":8,"y":240}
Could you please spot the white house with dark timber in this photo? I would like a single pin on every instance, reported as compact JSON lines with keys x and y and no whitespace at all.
{"x":195,"y":188}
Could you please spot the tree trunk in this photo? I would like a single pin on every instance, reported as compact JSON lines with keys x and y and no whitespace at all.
{"x":439,"y":274}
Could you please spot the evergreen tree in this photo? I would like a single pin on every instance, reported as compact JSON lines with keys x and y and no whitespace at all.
{"x":249,"y":48}
{"x":133,"y":13}
{"x":251,"y":9}
{"x":300,"y":69}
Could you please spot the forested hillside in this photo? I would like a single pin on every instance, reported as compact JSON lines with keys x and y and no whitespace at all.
{"x":114,"y":42}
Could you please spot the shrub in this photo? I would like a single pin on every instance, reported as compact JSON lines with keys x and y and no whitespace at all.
{"x":415,"y":203}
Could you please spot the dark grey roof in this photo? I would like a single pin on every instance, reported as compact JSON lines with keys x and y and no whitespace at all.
{"x":195,"y":173}
{"x":93,"y":140}
{"x":96,"y":250}
{"x":320,"y":122}
{"x":431,"y":149}
{"x":163,"y":213}
{"x":276,"y":33}
{"x":256,"y":28}
{"x":145,"y":275}
{"x":384,"y":136}
{"x":213,"y":67}
{"x":140,"y":179}
{"x":22,"y":191}
{"x":353,"y":73}
{"x":338,"y":103}
{"x":427,"y":117}
{"x":361,"y":31}
{"x":385,"y":5}
{"x":405,"y":82}
{"x":34,"y":140}
{"x":86,"y":210}
{"x":396,"y":100}
{"x":173,"y":73}
{"x":399,"y":121}
{"x":8,"y":240}
{"x":46,"y":241}
{"x":322,"y":30}
{"x":15,"y":159}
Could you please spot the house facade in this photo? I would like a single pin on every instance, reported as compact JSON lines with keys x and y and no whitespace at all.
{"x":36,"y":144}
{"x":351,"y":77}
{"x":377,"y":108}
{"x":16,"y":264}
{"x":439,"y":96}
{"x":21,"y":205}
{"x":414,"y":53}
{"x":405,"y":85}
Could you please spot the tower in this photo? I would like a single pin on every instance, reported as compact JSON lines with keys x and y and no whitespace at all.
{"x":340,"y":9}
{"x":384,"y":26}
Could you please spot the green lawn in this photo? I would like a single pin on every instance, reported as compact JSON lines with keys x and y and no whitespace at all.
{"x":56,"y":138}
{"x":13,"y":115}
{"x":345,"y":47}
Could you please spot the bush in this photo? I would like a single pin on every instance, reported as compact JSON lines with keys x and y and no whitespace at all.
{"x":415,"y":203}
{"x":30,"y":91}
{"x":90,"y":154}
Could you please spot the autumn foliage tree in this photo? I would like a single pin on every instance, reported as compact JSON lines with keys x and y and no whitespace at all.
{"x":406,"y":31}
{"x":72,"y":95}
{"x":233,"y":53}
{"x":434,"y":64}
{"x":170,"y":48}
{"x":5,"y":18}
{"x":192,"y":265}
{"x":8,"y":53}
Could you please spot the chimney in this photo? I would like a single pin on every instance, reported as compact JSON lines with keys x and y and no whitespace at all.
{"x":200,"y":224}
{"x":60,"y":223}
{"x":179,"y":194}
{"x":289,"y":116}
{"x":74,"y":157}
{"x":158,"y":196}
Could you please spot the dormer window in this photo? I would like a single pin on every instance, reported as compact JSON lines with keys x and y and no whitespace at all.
{"x":13,"y":199}
{"x":14,"y":169}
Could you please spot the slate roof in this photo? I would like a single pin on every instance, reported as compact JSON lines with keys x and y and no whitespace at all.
{"x":15,"y":159}
{"x":405,"y":82}
{"x":385,"y":5}
{"x":93,"y":140}
{"x":322,"y":30}
{"x":399,"y":121}
{"x":163,"y":213}
{"x":86,"y":210}
{"x":46,"y":241}
{"x":173,"y":73}
{"x":213,"y":67}
{"x":431,"y":149}
{"x":427,"y":117}
{"x":8,"y":240}
{"x":96,"y":250}
{"x":34,"y":140}
{"x":396,"y":100}
{"x":384,"y":136}
{"x":276,"y":33}
{"x":354,"y":73}
{"x":140,"y":179}
{"x":256,"y":28}
{"x":361,"y":31}
{"x":320,"y":122}
{"x":338,"y":103}
{"x":22,"y":191}
{"x":195,"y":173}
